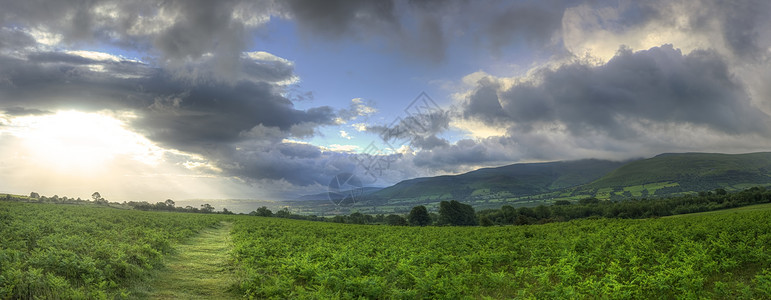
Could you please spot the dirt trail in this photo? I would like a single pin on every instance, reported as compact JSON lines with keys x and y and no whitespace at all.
{"x":199,"y":269}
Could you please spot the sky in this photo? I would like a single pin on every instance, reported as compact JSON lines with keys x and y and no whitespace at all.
{"x":149,"y":100}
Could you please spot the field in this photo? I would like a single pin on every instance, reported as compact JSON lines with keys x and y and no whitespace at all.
{"x":715,"y":256}
{"x":83,"y":251}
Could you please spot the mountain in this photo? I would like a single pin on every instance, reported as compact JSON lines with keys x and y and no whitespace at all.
{"x":516,"y":179}
{"x":534,"y":184}
{"x":664,"y":174}
{"x":691,"y":172}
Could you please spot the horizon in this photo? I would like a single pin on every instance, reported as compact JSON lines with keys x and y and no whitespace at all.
{"x":275,"y":100}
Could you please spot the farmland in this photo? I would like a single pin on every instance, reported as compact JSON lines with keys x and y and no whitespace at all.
{"x":715,"y":256}
{"x":85,"y":251}
{"x":80,"y":251}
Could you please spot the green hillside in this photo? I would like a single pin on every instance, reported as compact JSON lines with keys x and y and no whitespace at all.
{"x":533,"y":184}
{"x":685,"y":172}
{"x":539,"y":183}
{"x":511,"y":180}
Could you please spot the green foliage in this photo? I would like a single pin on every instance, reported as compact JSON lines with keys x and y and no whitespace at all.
{"x":517,"y":179}
{"x":632,"y":208}
{"x":702,"y":256}
{"x":456,"y":214}
{"x":262,"y":212}
{"x":419,"y":216}
{"x":692,"y":171}
{"x":50,"y":251}
{"x":396,"y":220}
{"x":358,"y":218}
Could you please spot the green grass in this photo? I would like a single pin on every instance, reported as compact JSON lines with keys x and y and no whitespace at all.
{"x":749,"y":208}
{"x":715,"y":256}
{"x":710,"y":169}
{"x":199,"y":268}
{"x":56,"y":251}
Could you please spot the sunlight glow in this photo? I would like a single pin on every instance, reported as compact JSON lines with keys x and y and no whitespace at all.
{"x":78,"y":142}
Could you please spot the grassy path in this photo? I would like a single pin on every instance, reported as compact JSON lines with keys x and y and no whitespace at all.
{"x":199,"y":269}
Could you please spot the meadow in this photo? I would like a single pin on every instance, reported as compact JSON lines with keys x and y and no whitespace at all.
{"x":93,"y":252}
{"x":52,"y":251}
{"x":719,"y":255}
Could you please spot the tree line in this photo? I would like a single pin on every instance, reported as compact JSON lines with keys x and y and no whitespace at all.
{"x":454,"y":213}
{"x":450,"y":213}
{"x":624,"y":209}
{"x":96,"y":198}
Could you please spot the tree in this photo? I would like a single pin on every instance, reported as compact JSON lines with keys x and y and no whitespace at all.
{"x":590,"y":200}
{"x":34,"y":195}
{"x":169,"y":203}
{"x":357,"y":218}
{"x":457,"y":214}
{"x":542,"y":212}
{"x":262,"y":212}
{"x":98,"y":198}
{"x":207,"y":208}
{"x":485,"y":221}
{"x":396,"y":220}
{"x":419,"y":216}
{"x":283,"y":213}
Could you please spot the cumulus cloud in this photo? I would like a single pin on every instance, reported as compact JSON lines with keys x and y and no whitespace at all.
{"x":14,"y":39}
{"x":735,"y":29}
{"x":466,"y":153}
{"x":636,"y":104}
{"x":418,"y":130}
{"x":660,"y":85}
{"x":425,"y":29}
{"x":359,"y":108}
{"x":177,"y":31}
{"x":203,"y":115}
{"x":637,"y":79}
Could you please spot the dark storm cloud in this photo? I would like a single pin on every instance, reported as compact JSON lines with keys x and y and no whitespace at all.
{"x":299,"y":150}
{"x":14,"y":39}
{"x":659,"y":85}
{"x":423,"y":28}
{"x":452,"y":158}
{"x":740,"y":23}
{"x":203,"y":115}
{"x":215,"y":113}
{"x":296,"y":163}
{"x":177,"y":31}
{"x":483,"y":103}
{"x":270,"y":71}
{"x":429,"y":142}
{"x":416,"y":127}
{"x":340,"y":17}
{"x":533,"y":21}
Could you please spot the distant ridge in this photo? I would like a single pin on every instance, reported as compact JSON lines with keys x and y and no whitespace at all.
{"x":517,"y":179}
{"x":692,"y":171}
{"x":663,"y":174}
